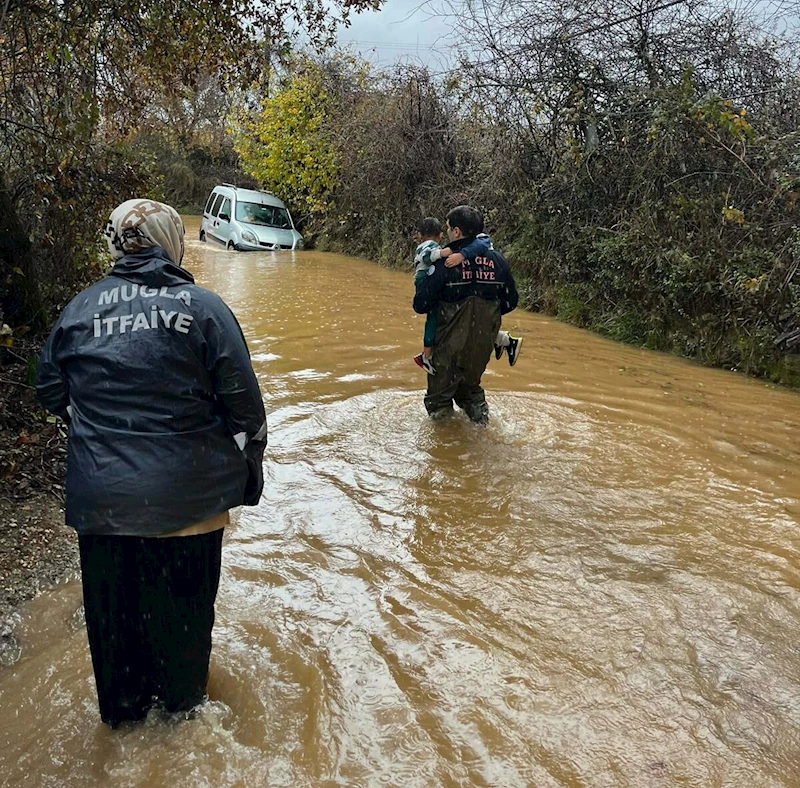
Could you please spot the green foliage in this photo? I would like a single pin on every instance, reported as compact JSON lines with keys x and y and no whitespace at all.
{"x":572,"y":304}
{"x":286,"y":145}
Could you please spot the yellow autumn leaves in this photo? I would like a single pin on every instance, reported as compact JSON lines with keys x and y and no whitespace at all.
{"x":285,"y":144}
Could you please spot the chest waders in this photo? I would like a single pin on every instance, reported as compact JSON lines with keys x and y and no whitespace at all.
{"x":464,"y":343}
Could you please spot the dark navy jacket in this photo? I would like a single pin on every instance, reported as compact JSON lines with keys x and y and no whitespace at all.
{"x":486,"y":276}
{"x":157,"y":376}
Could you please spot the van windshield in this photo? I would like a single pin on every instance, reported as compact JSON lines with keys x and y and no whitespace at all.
{"x":265,"y":215}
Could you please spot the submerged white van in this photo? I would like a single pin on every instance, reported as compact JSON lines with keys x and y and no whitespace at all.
{"x":245,"y":219}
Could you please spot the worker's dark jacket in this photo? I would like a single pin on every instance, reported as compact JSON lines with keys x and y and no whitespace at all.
{"x":486,"y":276}
{"x":158,"y":381}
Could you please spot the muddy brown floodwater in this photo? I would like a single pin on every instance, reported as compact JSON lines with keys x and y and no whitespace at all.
{"x":599,"y":589}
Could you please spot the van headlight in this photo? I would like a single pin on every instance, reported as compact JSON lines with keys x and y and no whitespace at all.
{"x":300,"y":244}
{"x":249,"y":236}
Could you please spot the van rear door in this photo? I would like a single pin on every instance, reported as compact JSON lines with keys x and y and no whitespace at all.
{"x":209,"y":203}
{"x":212,"y":219}
{"x":205,"y":224}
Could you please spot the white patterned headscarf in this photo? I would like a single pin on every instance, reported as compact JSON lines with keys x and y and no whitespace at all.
{"x":139,"y":224}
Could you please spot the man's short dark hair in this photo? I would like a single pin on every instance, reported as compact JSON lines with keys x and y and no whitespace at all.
{"x":468,"y":219}
{"x":429,"y":227}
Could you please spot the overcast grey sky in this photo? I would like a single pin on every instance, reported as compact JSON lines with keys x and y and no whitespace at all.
{"x":417,"y":31}
{"x":408,"y":31}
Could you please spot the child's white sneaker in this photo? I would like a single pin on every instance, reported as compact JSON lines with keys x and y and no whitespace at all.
{"x":422,"y":361}
{"x":514,"y":345}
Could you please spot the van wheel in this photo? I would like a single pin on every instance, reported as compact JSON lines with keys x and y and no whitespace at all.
{"x":231,"y":246}
{"x":202,"y":236}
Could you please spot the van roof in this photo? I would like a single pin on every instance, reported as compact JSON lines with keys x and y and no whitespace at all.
{"x":251,"y":195}
{"x":265,"y":198}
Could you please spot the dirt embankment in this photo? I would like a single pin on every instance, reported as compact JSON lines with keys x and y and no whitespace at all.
{"x":36,"y":548}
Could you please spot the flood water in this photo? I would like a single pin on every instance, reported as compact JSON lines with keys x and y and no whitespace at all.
{"x":599,"y":589}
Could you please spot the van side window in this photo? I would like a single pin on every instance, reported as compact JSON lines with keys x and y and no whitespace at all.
{"x":226,"y":207}
{"x":217,"y":203}
{"x":211,"y":196}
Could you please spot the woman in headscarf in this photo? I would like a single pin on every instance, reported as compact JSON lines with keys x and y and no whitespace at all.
{"x":166,"y":433}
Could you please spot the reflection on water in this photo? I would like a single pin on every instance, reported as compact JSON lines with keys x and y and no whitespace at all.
{"x":599,"y":589}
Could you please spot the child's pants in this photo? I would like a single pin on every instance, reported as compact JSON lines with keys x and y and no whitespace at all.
{"x":502,"y":340}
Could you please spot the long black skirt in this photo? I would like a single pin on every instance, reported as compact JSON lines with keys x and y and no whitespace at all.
{"x":149,"y":613}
